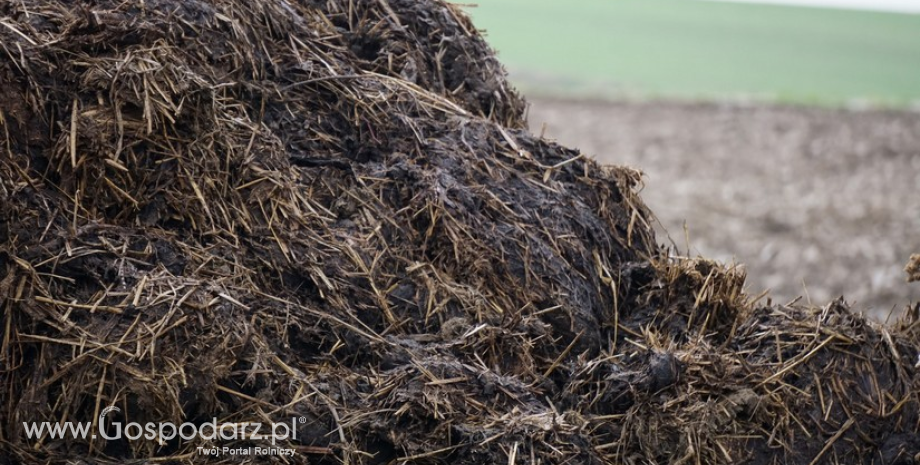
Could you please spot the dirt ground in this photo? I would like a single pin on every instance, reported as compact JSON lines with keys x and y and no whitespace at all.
{"x":815,"y":202}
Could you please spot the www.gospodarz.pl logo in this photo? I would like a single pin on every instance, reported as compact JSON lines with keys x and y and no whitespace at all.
{"x":166,"y":431}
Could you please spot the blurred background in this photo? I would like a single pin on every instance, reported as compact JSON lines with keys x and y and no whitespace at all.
{"x":781,"y":134}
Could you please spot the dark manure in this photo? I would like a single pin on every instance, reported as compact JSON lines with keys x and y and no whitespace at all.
{"x":329,"y":211}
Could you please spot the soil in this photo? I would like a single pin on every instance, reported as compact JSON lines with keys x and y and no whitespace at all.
{"x":814,"y":202}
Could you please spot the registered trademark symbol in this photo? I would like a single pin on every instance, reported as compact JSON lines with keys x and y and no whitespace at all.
{"x":302,"y":420}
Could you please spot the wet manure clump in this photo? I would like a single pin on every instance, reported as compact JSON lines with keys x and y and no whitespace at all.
{"x":328,"y":214}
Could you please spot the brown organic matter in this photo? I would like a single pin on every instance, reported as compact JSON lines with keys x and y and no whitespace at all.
{"x":253,"y":211}
{"x":913,"y":268}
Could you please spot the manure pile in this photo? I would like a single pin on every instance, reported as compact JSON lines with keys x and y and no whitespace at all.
{"x":329,"y":211}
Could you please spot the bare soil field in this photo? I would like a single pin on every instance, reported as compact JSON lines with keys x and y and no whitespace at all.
{"x":814,"y":202}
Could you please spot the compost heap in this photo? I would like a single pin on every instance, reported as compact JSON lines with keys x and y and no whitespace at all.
{"x":329,"y":211}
